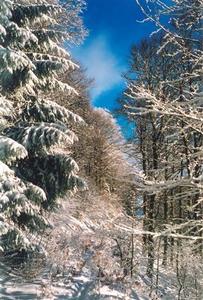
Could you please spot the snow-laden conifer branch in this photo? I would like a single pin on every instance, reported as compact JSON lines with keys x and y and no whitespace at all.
{"x":40,"y":136}
{"x":11,"y":150}
{"x":55,"y":173}
{"x":6,"y":108}
{"x":19,"y":201}
{"x":49,"y":111}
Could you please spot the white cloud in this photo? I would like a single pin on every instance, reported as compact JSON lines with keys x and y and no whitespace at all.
{"x":101,"y":65}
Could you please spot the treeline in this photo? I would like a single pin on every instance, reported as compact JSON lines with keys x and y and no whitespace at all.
{"x":164,"y":102}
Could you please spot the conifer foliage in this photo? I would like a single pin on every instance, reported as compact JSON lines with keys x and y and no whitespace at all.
{"x":34,"y":170}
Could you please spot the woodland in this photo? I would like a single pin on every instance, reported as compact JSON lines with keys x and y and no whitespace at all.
{"x":86,"y":212}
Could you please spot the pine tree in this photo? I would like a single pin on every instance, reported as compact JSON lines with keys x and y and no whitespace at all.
{"x":35,"y":169}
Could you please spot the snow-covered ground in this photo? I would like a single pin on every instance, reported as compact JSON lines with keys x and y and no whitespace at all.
{"x":84,"y":263}
{"x":85,"y":285}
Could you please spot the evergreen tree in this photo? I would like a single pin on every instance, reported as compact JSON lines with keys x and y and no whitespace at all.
{"x":34,"y":129}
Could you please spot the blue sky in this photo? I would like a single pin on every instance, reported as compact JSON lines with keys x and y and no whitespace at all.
{"x":113,"y":28}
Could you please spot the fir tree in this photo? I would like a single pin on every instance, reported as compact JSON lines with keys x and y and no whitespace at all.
{"x":35,"y":169}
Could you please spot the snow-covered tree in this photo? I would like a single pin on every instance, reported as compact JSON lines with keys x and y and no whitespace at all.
{"x":179,"y":97}
{"x":20,"y":201}
{"x":34,"y":129}
{"x":164,"y":100}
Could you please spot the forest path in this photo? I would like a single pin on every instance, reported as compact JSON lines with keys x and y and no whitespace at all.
{"x":14,"y":287}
